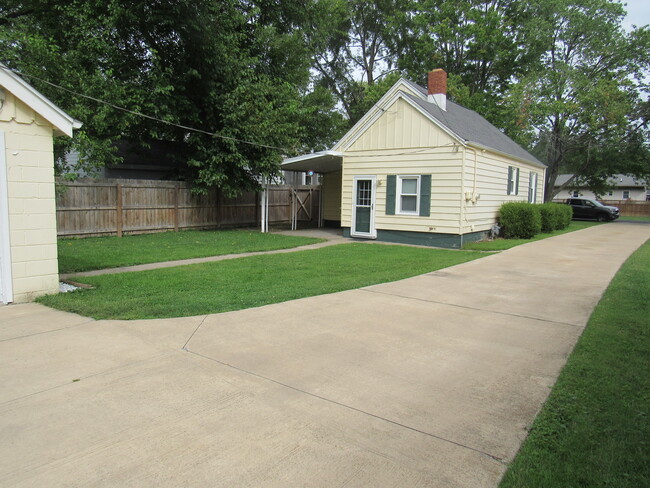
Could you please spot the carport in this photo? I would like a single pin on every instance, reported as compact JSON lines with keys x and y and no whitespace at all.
{"x":329,"y":164}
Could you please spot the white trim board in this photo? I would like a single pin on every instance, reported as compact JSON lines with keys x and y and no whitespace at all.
{"x":61,"y":121}
{"x":6,"y":279}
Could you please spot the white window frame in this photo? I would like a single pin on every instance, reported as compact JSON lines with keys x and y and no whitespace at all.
{"x":513,"y":180}
{"x":399,"y":194}
{"x":532,"y":187}
{"x":575,"y":194}
{"x":628,"y":194}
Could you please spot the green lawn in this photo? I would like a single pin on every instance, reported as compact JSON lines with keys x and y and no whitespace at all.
{"x":249,"y":282}
{"x":503,"y":244}
{"x":111,"y":252}
{"x":594,"y":430}
{"x":640,"y":219}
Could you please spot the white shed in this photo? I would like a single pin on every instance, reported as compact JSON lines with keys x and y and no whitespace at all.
{"x":28,"y":252}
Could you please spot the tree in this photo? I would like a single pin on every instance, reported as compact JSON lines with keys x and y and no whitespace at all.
{"x":583,"y":103}
{"x":350,"y":40}
{"x":482,"y":45}
{"x":236,"y":70}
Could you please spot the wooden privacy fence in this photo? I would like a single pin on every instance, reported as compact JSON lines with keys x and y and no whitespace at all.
{"x":94,"y":207}
{"x":630,"y":208}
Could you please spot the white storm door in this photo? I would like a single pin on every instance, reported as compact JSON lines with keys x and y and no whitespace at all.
{"x":363,"y":207}
{"x":6,"y":288}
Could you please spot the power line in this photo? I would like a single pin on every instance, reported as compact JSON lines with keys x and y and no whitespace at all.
{"x":150,"y":117}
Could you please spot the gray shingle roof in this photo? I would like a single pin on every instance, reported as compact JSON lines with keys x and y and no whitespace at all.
{"x":619,"y":181}
{"x":470,"y":126}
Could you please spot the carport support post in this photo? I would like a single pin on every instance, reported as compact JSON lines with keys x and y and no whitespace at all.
{"x":264,"y":208}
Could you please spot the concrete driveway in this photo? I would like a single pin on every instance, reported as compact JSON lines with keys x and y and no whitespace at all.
{"x":429,"y":381}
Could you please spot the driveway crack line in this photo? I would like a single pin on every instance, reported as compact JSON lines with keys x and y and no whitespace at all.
{"x":350,"y":407}
{"x":47,"y":331}
{"x":81,"y":378}
{"x":195,"y":331}
{"x":470,"y":308}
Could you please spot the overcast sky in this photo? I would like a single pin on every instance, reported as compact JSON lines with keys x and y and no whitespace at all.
{"x":638,"y":13}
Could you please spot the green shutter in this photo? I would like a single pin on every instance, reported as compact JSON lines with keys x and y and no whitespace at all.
{"x":391,"y":186}
{"x":509,"y":190}
{"x":425,"y":195}
{"x":517,"y":181}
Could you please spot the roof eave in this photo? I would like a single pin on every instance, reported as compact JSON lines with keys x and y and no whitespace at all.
{"x":62,"y":123}
{"x":320,"y":162}
{"x":482,"y":147}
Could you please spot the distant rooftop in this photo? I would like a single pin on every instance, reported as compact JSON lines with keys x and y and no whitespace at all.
{"x":620,"y":181}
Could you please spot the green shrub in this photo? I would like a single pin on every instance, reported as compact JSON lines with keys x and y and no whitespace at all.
{"x":566,"y":214}
{"x":520,"y":220}
{"x":555,"y":216}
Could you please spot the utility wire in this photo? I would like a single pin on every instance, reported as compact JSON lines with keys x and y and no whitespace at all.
{"x":150,"y":117}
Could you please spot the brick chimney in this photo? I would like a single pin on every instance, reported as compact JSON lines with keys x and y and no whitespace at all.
{"x":437,"y":84}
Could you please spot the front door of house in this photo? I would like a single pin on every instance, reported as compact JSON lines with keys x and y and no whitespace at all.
{"x":363,"y":207}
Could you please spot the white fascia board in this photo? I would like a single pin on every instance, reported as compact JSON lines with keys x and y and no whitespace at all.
{"x":38,"y":102}
{"x":373,"y":114}
{"x":475,"y":145}
{"x":307,"y":157}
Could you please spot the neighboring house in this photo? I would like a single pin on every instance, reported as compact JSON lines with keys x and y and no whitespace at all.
{"x":155,"y":160}
{"x":420,"y":169}
{"x":624,"y":188}
{"x":28,"y":253}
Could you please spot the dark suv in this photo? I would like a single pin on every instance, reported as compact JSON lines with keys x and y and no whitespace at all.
{"x":586,"y":208}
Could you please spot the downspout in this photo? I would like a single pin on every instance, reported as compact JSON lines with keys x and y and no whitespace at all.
{"x":462,"y":200}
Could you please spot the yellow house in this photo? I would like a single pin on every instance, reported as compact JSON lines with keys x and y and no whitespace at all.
{"x":420,"y":169}
{"x":28,"y":254}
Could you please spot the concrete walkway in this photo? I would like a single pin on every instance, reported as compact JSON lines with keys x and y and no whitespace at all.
{"x":332,"y":238}
{"x":429,"y":381}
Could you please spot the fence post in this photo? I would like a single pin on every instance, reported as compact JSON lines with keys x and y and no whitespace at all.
{"x":176,"y":192}
{"x":118,"y":220}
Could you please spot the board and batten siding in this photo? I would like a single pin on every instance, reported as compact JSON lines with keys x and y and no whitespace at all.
{"x":404,"y":142}
{"x":31,"y":200}
{"x":331,"y":188}
{"x":487,"y":179}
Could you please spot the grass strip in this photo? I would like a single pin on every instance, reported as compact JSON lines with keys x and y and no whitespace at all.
{"x":250,"y":281}
{"x":503,"y":244}
{"x":594,"y":429}
{"x":111,"y":252}
{"x":638,"y":218}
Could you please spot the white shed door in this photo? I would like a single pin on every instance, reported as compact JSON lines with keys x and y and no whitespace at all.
{"x":6,"y":288}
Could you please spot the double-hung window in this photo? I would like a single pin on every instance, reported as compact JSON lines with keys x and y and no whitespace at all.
{"x":513,"y":180}
{"x":408,"y":195}
{"x":408,"y":201}
{"x":532,"y":187}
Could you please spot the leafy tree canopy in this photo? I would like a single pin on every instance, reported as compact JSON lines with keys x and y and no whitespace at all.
{"x":233,"y":68}
{"x":561,"y":77}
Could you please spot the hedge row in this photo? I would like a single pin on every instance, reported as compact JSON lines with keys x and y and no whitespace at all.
{"x":521,"y":220}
